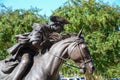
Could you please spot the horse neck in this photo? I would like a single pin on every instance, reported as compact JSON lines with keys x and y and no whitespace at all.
{"x":56,"y":54}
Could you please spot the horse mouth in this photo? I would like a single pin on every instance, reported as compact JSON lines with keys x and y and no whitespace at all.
{"x":83,"y":71}
{"x":90,"y":71}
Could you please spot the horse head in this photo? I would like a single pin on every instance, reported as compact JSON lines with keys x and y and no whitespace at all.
{"x":79,"y":53}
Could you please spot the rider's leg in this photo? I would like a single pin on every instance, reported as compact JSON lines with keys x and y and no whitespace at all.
{"x":22,"y":66}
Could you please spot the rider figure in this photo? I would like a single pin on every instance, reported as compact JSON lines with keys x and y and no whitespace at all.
{"x":30,"y":43}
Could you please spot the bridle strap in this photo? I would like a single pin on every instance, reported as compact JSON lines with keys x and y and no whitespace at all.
{"x":71,"y":65}
{"x":59,"y":57}
{"x":65,"y":62}
{"x":85,"y":62}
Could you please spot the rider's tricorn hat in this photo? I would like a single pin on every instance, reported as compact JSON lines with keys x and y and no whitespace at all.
{"x":58,"y":19}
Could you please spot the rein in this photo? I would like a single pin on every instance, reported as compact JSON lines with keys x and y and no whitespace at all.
{"x":69,"y":64}
{"x":77,"y":42}
{"x":65,"y":62}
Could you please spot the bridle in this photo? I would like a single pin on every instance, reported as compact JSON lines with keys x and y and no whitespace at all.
{"x":83,"y":64}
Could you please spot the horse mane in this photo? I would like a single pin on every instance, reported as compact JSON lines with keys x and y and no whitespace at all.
{"x":63,"y":44}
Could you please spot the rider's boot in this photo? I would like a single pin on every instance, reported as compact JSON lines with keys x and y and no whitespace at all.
{"x":22,"y":66}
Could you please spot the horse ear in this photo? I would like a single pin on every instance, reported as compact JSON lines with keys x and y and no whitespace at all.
{"x":79,"y":34}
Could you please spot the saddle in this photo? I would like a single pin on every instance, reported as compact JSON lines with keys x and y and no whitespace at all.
{"x":22,"y":40}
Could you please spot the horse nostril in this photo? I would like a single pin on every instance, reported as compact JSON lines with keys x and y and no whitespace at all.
{"x":92,"y":69}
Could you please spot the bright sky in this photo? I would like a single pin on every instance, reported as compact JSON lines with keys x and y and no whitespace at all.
{"x":47,"y":6}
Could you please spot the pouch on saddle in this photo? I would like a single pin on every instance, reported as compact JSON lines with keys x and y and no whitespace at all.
{"x":22,"y":40}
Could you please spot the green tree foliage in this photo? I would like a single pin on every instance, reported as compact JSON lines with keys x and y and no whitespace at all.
{"x":89,"y":15}
{"x":16,"y":22}
{"x":99,"y":22}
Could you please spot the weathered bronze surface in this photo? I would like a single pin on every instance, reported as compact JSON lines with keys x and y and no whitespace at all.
{"x":38,"y":55}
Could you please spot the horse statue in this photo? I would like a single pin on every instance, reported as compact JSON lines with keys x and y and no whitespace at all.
{"x":47,"y":66}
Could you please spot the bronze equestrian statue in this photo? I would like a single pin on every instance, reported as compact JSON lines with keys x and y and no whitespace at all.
{"x":27,"y":63}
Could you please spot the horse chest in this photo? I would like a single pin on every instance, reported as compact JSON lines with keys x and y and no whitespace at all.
{"x":36,"y":76}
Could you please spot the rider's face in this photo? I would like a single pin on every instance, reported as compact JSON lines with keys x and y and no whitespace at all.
{"x":59,"y":28}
